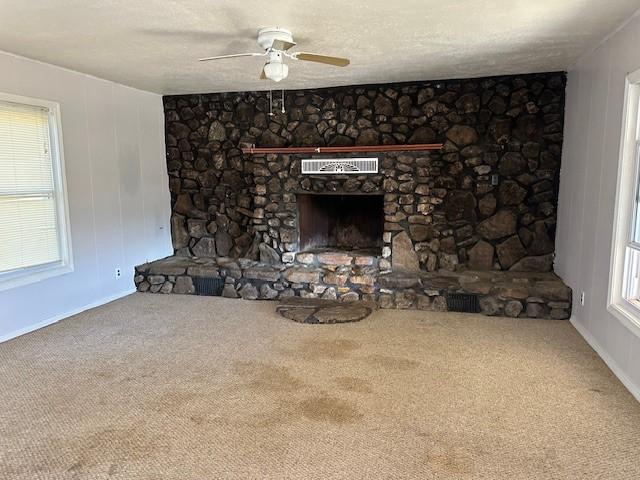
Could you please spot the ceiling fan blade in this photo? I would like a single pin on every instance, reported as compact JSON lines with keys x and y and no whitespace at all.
{"x":282,"y":45}
{"x":219,"y":57}
{"x":263,"y":76}
{"x":313,"y":57}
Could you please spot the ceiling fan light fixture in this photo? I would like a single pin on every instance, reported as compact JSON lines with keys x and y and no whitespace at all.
{"x":276,"y":42}
{"x":276,"y":71}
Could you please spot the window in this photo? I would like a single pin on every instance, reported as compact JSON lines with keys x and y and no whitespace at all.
{"x":34,"y":241}
{"x":624,"y":287}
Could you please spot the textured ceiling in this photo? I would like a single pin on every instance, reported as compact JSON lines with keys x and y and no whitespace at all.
{"x":154,"y":44}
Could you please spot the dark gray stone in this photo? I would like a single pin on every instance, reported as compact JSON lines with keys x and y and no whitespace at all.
{"x":206,"y":247}
{"x":481,"y":256}
{"x":223,"y":243}
{"x":179,"y":234}
{"x":248,"y":292}
{"x":510,"y":251}
{"x":511,"y":193}
{"x":268,"y":255}
{"x":512,"y":164}
{"x":541,"y":263}
{"x":500,"y":225}
{"x":513,"y":308}
{"x":267,"y":292}
{"x":229,"y":291}
{"x":262,"y":272}
{"x":183,"y":285}
{"x":487,"y":205}
{"x":462,"y":135}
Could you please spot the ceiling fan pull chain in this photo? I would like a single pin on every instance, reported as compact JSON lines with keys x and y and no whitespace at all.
{"x":283,"y":109}
{"x":271,"y":114}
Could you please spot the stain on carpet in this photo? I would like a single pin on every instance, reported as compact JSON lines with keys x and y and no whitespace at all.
{"x":175,"y":401}
{"x":392,"y":363}
{"x":329,"y":409}
{"x":448,"y":462}
{"x":354,"y":384}
{"x":266,"y":376}
{"x":99,"y":451}
{"x":319,"y":348}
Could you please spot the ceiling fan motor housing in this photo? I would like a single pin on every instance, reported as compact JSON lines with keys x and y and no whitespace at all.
{"x":266,"y":36}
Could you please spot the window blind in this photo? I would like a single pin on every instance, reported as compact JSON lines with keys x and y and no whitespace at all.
{"x":28,"y":218}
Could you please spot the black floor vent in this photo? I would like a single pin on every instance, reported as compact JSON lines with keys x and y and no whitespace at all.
{"x":463,"y":302}
{"x":211,"y":286}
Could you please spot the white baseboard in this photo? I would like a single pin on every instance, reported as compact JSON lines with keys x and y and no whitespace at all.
{"x":611,"y":363}
{"x":61,"y":316}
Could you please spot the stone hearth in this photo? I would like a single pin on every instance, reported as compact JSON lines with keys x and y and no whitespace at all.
{"x":338,"y":275}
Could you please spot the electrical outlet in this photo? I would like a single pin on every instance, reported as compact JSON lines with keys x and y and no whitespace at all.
{"x":494,"y":179}
{"x":582,"y":295}
{"x":118,"y":273}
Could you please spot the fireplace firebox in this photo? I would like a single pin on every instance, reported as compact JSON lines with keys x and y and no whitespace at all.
{"x":340,"y":221}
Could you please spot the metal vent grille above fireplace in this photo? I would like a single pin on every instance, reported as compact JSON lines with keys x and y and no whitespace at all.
{"x":339,"y":165}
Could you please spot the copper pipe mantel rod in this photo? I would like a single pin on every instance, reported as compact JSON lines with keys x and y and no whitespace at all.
{"x":354,"y":149}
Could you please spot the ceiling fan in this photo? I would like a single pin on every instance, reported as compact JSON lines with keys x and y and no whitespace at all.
{"x":276,"y":41}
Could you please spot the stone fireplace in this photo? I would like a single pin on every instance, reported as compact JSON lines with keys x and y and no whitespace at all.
{"x":486,"y":201}
{"x":477,"y":216}
{"x":340,"y":222}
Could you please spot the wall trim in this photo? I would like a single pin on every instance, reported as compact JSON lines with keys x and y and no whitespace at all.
{"x":608,"y":360}
{"x":62,"y":316}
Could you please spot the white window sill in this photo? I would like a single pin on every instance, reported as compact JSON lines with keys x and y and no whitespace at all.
{"x":37,"y":274}
{"x":627,"y":313}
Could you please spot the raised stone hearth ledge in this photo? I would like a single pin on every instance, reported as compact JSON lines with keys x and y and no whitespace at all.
{"x":318,"y":310}
{"x":351,"y":278}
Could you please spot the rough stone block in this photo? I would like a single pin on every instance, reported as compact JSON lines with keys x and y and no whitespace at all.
{"x":552,"y":290}
{"x":306,"y":258}
{"x":183,"y":285}
{"x":481,"y":256}
{"x":248,"y":292}
{"x":206,"y":247}
{"x":350,"y":297}
{"x":262,"y":272}
{"x":404,"y":257}
{"x":334,"y":258}
{"x":334,"y":278}
{"x":156,"y":279}
{"x":167,"y":287}
{"x":510,"y":251}
{"x":302,"y":275}
{"x":203,"y":271}
{"x":513,"y":308}
{"x":500,"y":225}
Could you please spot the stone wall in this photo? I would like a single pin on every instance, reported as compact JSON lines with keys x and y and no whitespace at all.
{"x":486,"y":201}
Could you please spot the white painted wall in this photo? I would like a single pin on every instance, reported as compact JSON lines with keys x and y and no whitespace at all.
{"x":117,"y":186}
{"x":595,"y":100}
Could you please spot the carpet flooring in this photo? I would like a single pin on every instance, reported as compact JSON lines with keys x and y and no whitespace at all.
{"x":184,"y":387}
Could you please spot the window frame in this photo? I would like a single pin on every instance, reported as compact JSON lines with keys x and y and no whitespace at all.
{"x":626,"y":210}
{"x":24,"y":276}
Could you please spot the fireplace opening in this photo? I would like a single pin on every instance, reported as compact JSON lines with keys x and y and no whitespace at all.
{"x":341,"y":222}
